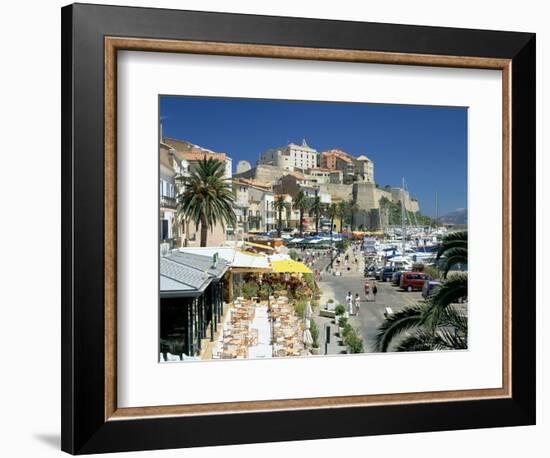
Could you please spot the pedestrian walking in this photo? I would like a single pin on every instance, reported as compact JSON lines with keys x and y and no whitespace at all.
{"x":374,"y":291}
{"x":349,"y":300}
{"x":367,"y":288}
{"x":357,"y":303}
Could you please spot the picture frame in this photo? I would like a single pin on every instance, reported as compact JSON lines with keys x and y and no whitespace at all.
{"x":92,"y":35}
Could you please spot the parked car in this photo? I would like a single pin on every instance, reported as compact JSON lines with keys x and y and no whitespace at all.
{"x":428,"y":287}
{"x":396,"y":277}
{"x":386,"y":273}
{"x":369,"y":271}
{"x":413,"y":281}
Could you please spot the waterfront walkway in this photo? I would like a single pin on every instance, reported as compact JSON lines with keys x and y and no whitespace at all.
{"x":371,"y":313}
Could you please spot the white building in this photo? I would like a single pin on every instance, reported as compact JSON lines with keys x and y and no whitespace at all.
{"x":364,"y":169}
{"x":267,"y":212}
{"x":243,"y":166}
{"x":325,"y":197}
{"x":291,"y":157}
{"x":228,"y":167}
{"x":318,"y":175}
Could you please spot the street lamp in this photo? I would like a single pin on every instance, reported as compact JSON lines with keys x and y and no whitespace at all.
{"x":331,"y":249}
{"x":327,"y":337}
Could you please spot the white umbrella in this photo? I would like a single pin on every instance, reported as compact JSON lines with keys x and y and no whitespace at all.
{"x":309,"y":310}
{"x":308,"y":339}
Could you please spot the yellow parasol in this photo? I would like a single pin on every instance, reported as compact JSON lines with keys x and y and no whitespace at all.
{"x":288,"y":266}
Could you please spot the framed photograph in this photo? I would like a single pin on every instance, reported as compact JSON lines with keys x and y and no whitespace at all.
{"x":281,"y":228}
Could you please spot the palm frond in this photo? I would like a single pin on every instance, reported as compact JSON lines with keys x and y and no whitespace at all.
{"x":453,"y":240}
{"x":301,"y":201}
{"x":419,"y":341}
{"x":452,"y":261}
{"x":447,"y":339}
{"x":394,"y":325}
{"x":441,"y":339}
{"x":454,"y":318}
{"x":451,"y":291}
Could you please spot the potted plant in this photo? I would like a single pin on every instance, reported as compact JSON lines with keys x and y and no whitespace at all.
{"x":353,"y":342}
{"x":339,"y":311}
{"x":342,"y":322}
{"x":315,"y":336}
{"x":329,"y":305}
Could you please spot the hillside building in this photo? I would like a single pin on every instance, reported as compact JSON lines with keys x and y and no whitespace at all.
{"x":291,"y":157}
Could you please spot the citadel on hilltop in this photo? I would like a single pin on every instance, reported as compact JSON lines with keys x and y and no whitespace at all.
{"x":333,"y":175}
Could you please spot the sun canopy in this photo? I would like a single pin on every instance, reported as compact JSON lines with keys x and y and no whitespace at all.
{"x":259,"y":245}
{"x":289,"y":266}
{"x":236,"y":259}
{"x":244,"y":261}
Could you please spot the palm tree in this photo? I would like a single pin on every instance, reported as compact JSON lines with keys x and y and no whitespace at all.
{"x":332,"y":212}
{"x":454,"y":250}
{"x":316,"y":208}
{"x":353,"y":208}
{"x":396,"y":324}
{"x":342,"y":212}
{"x":207,"y":198}
{"x":279,"y":204}
{"x":434,"y":324}
{"x":300,"y":202}
{"x":448,"y":332}
{"x":451,"y":334}
{"x":453,"y":290}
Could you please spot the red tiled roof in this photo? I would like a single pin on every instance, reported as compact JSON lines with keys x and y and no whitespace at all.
{"x":297,"y":175}
{"x":338,"y":153}
{"x":197,"y":155}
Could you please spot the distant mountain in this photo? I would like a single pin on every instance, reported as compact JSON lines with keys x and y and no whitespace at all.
{"x":458,"y":216}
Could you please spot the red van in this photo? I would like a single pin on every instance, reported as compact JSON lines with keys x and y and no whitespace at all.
{"x":413,"y":281}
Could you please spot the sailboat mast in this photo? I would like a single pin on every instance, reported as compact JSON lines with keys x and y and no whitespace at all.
{"x":403,"y":229}
{"x":436,"y":209}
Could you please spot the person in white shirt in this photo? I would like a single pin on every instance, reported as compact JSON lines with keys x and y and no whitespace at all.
{"x":349,"y":300}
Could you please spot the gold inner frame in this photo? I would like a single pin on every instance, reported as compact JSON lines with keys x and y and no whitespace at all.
{"x":114,"y":44}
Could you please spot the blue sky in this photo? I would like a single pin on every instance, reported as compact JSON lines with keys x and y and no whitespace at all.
{"x":426,"y":144}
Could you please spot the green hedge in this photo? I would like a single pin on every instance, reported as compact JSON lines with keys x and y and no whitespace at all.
{"x":352,"y":340}
{"x":339,"y":310}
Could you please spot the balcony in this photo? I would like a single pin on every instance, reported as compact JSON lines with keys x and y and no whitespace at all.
{"x":241,"y":204}
{"x":168,"y":202}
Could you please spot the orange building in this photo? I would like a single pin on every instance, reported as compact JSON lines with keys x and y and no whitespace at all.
{"x":329,"y":159}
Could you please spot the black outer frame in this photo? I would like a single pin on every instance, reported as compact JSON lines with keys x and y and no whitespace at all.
{"x":84,"y":429}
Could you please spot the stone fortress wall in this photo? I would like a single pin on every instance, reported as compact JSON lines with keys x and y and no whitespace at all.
{"x":337,"y":191}
{"x":360,"y":187}
{"x":263,"y":172}
{"x":368,"y":195}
